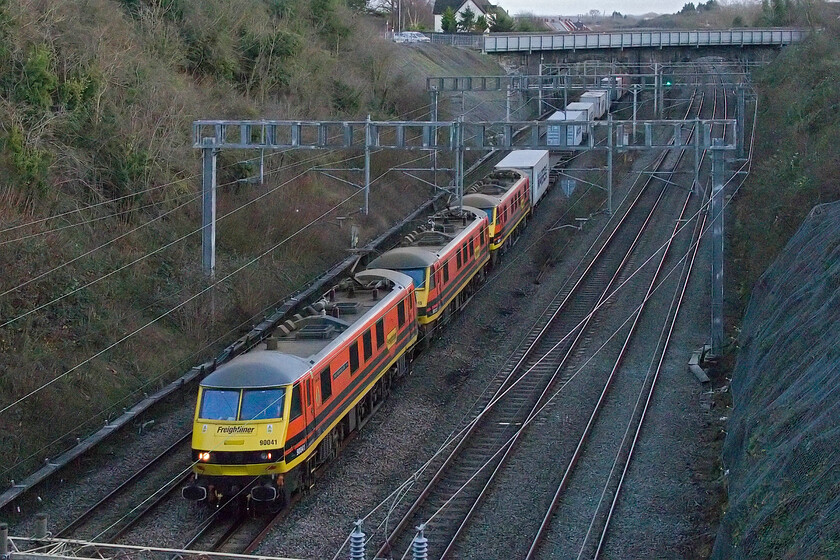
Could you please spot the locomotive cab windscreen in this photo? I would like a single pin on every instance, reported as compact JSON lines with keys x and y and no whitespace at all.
{"x":241,"y":405}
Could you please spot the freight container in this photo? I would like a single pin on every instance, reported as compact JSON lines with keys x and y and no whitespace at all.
{"x":565,"y":134}
{"x":588,"y":107}
{"x":599,"y":98}
{"x":534,"y":163}
{"x":617,"y":86}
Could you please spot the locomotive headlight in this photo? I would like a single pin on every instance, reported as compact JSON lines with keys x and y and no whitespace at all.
{"x":265,"y":456}
{"x":204,"y":456}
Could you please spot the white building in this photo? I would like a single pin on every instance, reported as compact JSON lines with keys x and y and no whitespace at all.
{"x":478,"y":7}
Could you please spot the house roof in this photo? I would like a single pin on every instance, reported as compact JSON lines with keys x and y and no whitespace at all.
{"x":441,"y":5}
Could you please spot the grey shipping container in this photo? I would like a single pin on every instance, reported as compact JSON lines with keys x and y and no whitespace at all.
{"x":599,"y":98}
{"x":564,"y":133}
{"x":534,"y":163}
{"x":617,"y":83}
{"x":589,"y":107}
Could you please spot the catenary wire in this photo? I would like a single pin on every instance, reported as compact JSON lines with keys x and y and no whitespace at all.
{"x":702,"y":208}
{"x":170,"y":311}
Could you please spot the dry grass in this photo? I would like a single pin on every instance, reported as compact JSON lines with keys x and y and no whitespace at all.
{"x":128,"y":135}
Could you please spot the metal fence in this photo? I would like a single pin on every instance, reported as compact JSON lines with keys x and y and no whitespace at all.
{"x":473,"y":41}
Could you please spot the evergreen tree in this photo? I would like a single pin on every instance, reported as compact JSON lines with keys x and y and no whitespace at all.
{"x":447,"y":22}
{"x":467,"y":20}
{"x":502,"y":22}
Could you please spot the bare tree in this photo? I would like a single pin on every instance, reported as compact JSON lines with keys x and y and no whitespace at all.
{"x":406,"y":14}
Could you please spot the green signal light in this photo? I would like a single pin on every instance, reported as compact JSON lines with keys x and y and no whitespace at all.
{"x":668,"y":83}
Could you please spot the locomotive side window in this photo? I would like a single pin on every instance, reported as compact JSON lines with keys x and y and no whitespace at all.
{"x":262,"y":404}
{"x":297,"y":406}
{"x":326,"y":384}
{"x":366,"y":342}
{"x":380,"y":333}
{"x":458,"y":259}
{"x":446,"y":272}
{"x":354,"y":357}
{"x":401,"y":308}
{"x":219,"y":404}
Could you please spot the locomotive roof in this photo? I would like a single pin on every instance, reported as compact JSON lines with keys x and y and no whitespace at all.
{"x":422,"y":248}
{"x":257,"y":369}
{"x":481,"y":200}
{"x":313,"y":337}
{"x":405,"y":257}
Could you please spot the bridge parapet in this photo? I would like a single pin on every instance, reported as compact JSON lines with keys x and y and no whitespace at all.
{"x":527,"y":43}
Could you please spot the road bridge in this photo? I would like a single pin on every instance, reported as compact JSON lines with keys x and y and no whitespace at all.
{"x":525,"y":53}
{"x":498,"y":43}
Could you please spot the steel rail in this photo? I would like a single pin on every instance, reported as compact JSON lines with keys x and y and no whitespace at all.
{"x":674,"y":314}
{"x":544,"y":526}
{"x":92,"y":509}
{"x":149,"y":505}
{"x":638,"y":430}
{"x":537,"y":406}
{"x":510,"y":380}
{"x":505,"y":385}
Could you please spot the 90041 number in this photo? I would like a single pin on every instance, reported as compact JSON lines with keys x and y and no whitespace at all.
{"x":268,"y":442}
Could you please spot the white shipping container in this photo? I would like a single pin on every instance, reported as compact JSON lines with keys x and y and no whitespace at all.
{"x":599,"y":98}
{"x":565,"y":134}
{"x":617,"y":83}
{"x":533,"y":163}
{"x":588,"y":107}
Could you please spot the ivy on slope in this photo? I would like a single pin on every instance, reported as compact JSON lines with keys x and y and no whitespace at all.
{"x":797,"y":160}
{"x":781,"y":447}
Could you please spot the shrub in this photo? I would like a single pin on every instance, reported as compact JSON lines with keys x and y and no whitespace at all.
{"x":37,"y":82}
{"x":28,"y":163}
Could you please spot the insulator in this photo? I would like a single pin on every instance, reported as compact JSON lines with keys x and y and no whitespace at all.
{"x":357,"y":542}
{"x":420,"y":545}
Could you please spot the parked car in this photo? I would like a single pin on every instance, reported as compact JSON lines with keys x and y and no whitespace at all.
{"x":410,"y":37}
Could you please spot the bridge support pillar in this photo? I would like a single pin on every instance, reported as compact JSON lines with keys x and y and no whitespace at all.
{"x":636,"y":88}
{"x":656,"y":85}
{"x":566,"y":78}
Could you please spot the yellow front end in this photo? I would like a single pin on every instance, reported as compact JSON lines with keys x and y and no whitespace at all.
{"x":493,"y":226}
{"x":421,"y":296}
{"x":262,"y":442}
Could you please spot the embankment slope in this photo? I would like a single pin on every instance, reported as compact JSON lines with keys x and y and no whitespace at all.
{"x":781,"y":450}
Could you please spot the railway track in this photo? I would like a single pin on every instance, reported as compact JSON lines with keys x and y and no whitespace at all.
{"x":234,"y":530}
{"x":553,"y":539}
{"x":114,"y":514}
{"x":461,"y":479}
